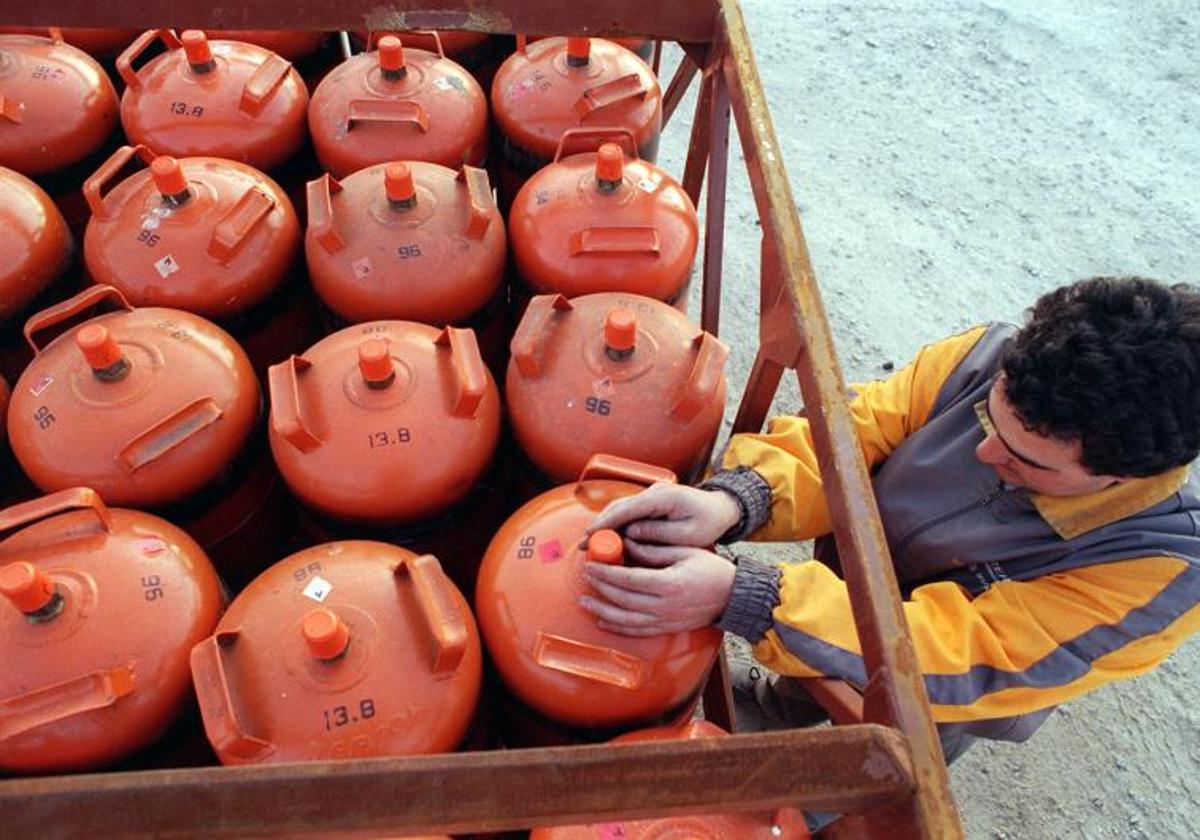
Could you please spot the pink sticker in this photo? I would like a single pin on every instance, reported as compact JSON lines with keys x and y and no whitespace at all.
{"x":361,"y":268}
{"x":550,"y":551}
{"x":41,"y":384}
{"x":602,"y":387}
{"x":151,"y":546}
{"x":613,"y":831}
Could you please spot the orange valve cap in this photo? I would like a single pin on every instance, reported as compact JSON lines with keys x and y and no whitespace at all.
{"x":25,"y":586}
{"x":375,"y":362}
{"x":195,"y":47}
{"x":99,"y":347}
{"x":620,"y":330}
{"x":391,"y":54}
{"x":610,"y":164}
{"x":326,"y":634}
{"x":398,"y":179}
{"x":168,"y":176}
{"x":605,"y":546}
{"x":579,"y":50}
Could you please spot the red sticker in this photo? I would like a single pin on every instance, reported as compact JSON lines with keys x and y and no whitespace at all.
{"x":550,"y":551}
{"x":151,"y":546}
{"x":613,"y":831}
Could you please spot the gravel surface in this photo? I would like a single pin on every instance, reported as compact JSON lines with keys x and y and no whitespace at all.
{"x":951,"y":161}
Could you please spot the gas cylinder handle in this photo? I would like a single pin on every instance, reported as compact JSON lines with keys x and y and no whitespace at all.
{"x":536,"y":321}
{"x":93,"y":187}
{"x":629,"y":86}
{"x":448,"y":632}
{"x":522,"y":42}
{"x":241,"y":220}
{"x":319,"y":194}
{"x":55,"y":34}
{"x":263,"y":84}
{"x":479,"y":195}
{"x":591,"y":662}
{"x":617,"y":135}
{"x":60,"y":312}
{"x":217,"y":705}
{"x":287,"y":411}
{"x":86,"y":693}
{"x":624,"y":469}
{"x":469,"y":371}
{"x":73,"y":498}
{"x":431,"y":33}
{"x":140,"y":45}
{"x":177,"y":428}
{"x":704,"y":381}
{"x":628,"y":239}
{"x":388,"y":111}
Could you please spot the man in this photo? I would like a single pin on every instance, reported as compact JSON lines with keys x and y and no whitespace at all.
{"x":1033,"y":486}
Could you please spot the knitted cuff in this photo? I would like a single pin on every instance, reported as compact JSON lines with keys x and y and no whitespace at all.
{"x":753,"y":495}
{"x":753,"y":599}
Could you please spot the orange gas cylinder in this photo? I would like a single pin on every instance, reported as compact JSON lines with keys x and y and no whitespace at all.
{"x":398,"y":104}
{"x":620,"y":374}
{"x":98,"y":43}
{"x":349,"y":649}
{"x":212,"y":236}
{"x":100,"y":610}
{"x":546,"y":648}
{"x":220,"y":98}
{"x":786,"y":823}
{"x":35,"y":245}
{"x":602,"y":222}
{"x":562,"y":83}
{"x":57,"y":105}
{"x":411,"y":241}
{"x":287,"y":44}
{"x":381,"y":406}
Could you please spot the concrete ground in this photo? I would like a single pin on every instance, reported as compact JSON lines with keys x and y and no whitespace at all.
{"x":952,"y":161}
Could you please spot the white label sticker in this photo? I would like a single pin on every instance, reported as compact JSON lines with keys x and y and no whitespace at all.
{"x":361,"y":268}
{"x":442,"y":83}
{"x":41,"y":384}
{"x":318,"y":589}
{"x":166,"y":266}
{"x":647,"y":185}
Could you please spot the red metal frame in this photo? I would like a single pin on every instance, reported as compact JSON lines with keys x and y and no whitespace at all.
{"x":906,"y":791}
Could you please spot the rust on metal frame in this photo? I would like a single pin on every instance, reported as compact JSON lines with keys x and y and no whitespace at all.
{"x":830,"y":769}
{"x":823,"y":769}
{"x":896,"y":694}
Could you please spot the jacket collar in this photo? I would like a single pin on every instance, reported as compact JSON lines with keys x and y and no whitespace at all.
{"x":1072,"y":516}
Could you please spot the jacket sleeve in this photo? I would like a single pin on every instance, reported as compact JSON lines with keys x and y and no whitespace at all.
{"x":1018,"y":647}
{"x":884,"y":414}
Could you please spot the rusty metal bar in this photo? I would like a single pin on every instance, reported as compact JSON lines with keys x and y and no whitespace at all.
{"x":677,"y":89}
{"x":821,"y":769}
{"x":714,"y":212}
{"x":694,"y":21}
{"x":896,"y":695}
{"x":698,"y":145}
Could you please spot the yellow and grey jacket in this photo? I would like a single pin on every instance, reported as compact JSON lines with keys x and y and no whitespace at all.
{"x":1016,"y":602}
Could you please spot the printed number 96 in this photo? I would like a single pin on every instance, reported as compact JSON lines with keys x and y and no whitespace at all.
{"x":598,"y":406}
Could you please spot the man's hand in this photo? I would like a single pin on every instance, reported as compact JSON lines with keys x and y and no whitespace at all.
{"x":671,"y":514}
{"x":684,"y":588}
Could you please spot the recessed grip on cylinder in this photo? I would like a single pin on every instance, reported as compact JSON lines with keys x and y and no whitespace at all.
{"x":73,"y":498}
{"x":444,"y":622}
{"x":171,"y":431}
{"x":704,"y":381}
{"x":629,"y":86}
{"x":591,"y":662}
{"x":470,"y":374}
{"x":93,"y":187}
{"x":618,"y":135}
{"x":624,"y":469}
{"x":630,"y":239}
{"x":140,"y":45}
{"x":536,"y":321}
{"x":87,"y":693}
{"x":387,"y":111}
{"x":287,"y":408}
{"x":68,"y":309}
{"x":218,"y":707}
{"x":319,"y":194}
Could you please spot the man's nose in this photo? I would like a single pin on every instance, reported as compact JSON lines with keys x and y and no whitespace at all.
{"x":991,"y":451}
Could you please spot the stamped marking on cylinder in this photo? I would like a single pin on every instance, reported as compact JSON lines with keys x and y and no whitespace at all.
{"x":41,"y":384}
{"x":318,"y":589}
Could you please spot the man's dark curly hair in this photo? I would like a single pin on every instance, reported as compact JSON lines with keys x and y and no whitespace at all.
{"x":1113,"y":362}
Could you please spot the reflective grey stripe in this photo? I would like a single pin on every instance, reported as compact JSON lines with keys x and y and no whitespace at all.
{"x":1066,"y":663}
